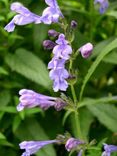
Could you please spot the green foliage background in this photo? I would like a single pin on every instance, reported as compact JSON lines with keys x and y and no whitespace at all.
{"x":23,"y":64}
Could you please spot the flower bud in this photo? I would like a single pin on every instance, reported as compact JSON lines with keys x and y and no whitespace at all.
{"x":48,"y":44}
{"x":73,"y":24}
{"x":60,"y":104}
{"x":72,"y":143}
{"x":86,"y":50}
{"x":53,"y":33}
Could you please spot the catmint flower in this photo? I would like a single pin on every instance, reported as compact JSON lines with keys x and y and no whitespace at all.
{"x":48,"y":44}
{"x":108,"y":149}
{"x":24,"y":17}
{"x":86,"y":50}
{"x":52,"y":13}
{"x":31,"y":147}
{"x":72,"y":143}
{"x":58,"y":74}
{"x":53,"y":33}
{"x":73,"y":24}
{"x":103,"y":5}
{"x":30,"y":99}
{"x":63,"y":49}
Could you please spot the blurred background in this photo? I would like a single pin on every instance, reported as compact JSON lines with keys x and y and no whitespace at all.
{"x":23,"y":64}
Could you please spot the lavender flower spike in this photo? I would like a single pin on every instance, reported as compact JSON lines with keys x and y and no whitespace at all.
{"x":31,"y":99}
{"x":72,"y":143}
{"x":52,"y":13}
{"x":63,"y":49}
{"x":32,"y":147}
{"x":103,"y":5}
{"x":86,"y":50}
{"x":24,"y":17}
{"x":109,"y":149}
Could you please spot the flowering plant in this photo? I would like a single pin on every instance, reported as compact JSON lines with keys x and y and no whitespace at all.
{"x":63,"y":80}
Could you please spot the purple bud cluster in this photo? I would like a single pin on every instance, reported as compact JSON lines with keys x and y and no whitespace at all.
{"x":58,"y":73}
{"x":24,"y":16}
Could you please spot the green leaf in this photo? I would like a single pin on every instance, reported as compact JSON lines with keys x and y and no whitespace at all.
{"x":111,"y":58}
{"x":8,"y":109}
{"x":2,"y":136}
{"x":30,"y":66}
{"x":93,"y":67}
{"x":67,"y":113}
{"x":106,"y":114}
{"x":112,"y":13}
{"x":16,"y":122}
{"x":3,"y":71}
{"x":30,"y":129}
{"x":39,"y":35}
{"x":91,"y":101}
{"x":4,"y":100}
{"x":86,"y":118}
{"x":3,"y":141}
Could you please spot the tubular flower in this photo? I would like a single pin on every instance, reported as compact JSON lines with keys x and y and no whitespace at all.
{"x":58,"y":74}
{"x":103,"y":5}
{"x":31,"y":99}
{"x":24,"y":17}
{"x":32,"y":147}
{"x":63,"y":49}
{"x":108,"y":149}
{"x":86,"y":50}
{"x":72,"y":143}
{"x":52,"y":13}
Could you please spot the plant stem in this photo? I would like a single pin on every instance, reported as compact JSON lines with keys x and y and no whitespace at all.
{"x":77,"y":125}
{"x":78,"y":132}
{"x":73,"y":93}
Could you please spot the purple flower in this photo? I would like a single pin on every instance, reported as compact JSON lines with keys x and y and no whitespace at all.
{"x":62,"y":50}
{"x":24,"y":17}
{"x":109,"y":149}
{"x":32,"y":147}
{"x":80,"y":153}
{"x":86,"y":50}
{"x":103,"y":5}
{"x":72,"y":143}
{"x":58,"y":74}
{"x":31,"y":99}
{"x":52,"y":13}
